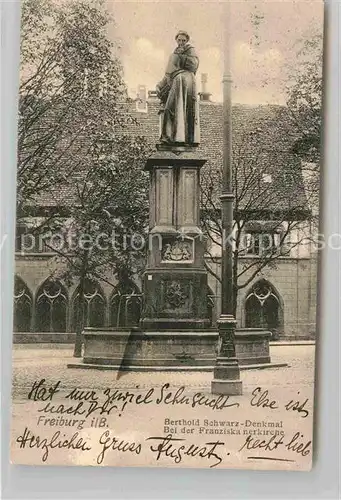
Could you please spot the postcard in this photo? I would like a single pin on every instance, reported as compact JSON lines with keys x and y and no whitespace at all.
{"x":167,"y":234}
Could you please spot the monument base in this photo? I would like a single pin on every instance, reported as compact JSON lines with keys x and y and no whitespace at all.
{"x":180,"y":350}
{"x":227,"y":377}
{"x":228,"y":387}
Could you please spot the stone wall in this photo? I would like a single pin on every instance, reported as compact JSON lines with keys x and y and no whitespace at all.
{"x":294,"y":281}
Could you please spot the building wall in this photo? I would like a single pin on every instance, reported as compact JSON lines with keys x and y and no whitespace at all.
{"x":293,"y":280}
{"x":35,"y":268}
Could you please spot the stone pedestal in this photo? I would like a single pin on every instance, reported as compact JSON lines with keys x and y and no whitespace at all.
{"x":175,"y":279}
{"x":174,"y":332}
{"x":177,"y":350}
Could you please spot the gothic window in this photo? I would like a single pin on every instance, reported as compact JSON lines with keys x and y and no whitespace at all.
{"x":260,"y":243}
{"x":125,"y":308}
{"x":48,"y":242}
{"x":263,"y":309}
{"x":20,"y":233}
{"x":133,"y":310}
{"x":51,"y":307}
{"x":22,"y":306}
{"x":33,"y":241}
{"x":93,"y":306}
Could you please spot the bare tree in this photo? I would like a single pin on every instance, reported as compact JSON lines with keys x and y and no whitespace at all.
{"x":271,"y":209}
{"x":104,"y":236}
{"x":71,"y":88}
{"x":76,"y":151}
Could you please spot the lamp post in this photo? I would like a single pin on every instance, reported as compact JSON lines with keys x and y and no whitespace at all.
{"x":226,"y":371}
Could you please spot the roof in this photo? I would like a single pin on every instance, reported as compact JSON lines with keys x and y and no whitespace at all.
{"x":262,"y":137}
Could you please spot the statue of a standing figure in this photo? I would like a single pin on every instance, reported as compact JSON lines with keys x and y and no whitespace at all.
{"x":178,"y":95}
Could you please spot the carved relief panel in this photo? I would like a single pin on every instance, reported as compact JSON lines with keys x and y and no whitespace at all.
{"x":177,"y":251}
{"x":176,"y":296}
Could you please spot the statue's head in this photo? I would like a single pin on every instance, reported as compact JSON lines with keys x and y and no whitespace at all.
{"x":182,"y":37}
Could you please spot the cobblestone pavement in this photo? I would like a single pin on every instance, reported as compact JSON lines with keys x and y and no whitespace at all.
{"x":30,"y":364}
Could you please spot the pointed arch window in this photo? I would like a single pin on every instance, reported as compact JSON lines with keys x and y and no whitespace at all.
{"x":125,"y":307}
{"x":263,"y":308}
{"x":22,"y":306}
{"x":51,"y":307}
{"x":94,"y":306}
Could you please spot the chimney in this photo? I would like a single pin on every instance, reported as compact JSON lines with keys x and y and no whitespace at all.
{"x":204,"y":95}
{"x":141,"y":99}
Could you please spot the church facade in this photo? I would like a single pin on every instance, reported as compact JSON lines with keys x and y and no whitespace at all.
{"x":281,"y":297}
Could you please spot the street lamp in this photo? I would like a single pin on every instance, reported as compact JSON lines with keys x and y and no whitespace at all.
{"x":226,"y":371}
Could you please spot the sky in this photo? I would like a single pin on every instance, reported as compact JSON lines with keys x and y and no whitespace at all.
{"x":264,"y":38}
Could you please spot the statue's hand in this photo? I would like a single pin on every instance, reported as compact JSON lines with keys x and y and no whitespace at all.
{"x":179,"y":50}
{"x":162,"y":88}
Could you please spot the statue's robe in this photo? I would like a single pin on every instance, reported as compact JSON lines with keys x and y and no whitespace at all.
{"x":177,"y":91}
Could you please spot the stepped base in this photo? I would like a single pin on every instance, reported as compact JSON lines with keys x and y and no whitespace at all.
{"x":178,"y":350}
{"x":92,"y":366}
{"x":228,"y":387}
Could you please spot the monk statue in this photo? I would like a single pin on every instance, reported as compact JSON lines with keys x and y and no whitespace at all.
{"x":178,"y":95}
